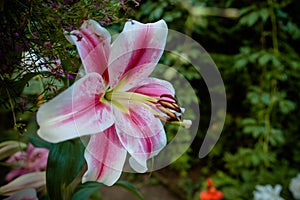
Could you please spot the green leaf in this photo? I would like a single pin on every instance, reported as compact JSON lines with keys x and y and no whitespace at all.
{"x":265,"y":98}
{"x":264,"y":59}
{"x":19,"y":85}
{"x":286,"y":106}
{"x":249,"y":121}
{"x":264,"y":14}
{"x":86,"y":190}
{"x":13,"y":88}
{"x":250,"y":19}
{"x":37,"y":142}
{"x":33,"y":87}
{"x":130,"y":187}
{"x":240,"y":64}
{"x":65,"y":161}
{"x":172,"y":15}
{"x":275,"y":61}
{"x":245,"y":10}
{"x":157,"y":13}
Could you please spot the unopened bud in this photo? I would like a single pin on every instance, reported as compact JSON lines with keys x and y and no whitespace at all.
{"x":30,"y":180}
{"x":8,"y":148}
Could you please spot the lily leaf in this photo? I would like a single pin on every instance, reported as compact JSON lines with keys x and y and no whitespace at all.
{"x":86,"y":190}
{"x":131,"y":188}
{"x":65,"y":162}
{"x":37,"y":142}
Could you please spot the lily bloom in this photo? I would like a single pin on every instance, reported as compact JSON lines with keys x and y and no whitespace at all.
{"x":115,"y":102}
{"x":33,"y":160}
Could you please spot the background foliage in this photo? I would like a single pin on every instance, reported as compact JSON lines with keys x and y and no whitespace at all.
{"x":257,"y":55}
{"x":256,"y":50}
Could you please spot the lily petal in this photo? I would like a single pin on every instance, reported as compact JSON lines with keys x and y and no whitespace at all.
{"x":141,"y":134}
{"x":154,"y":87}
{"x":75,"y":112}
{"x":135,"y":52}
{"x":93,"y":44}
{"x":105,"y":157}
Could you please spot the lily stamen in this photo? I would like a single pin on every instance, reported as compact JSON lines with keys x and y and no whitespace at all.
{"x":171,"y":110}
{"x":170,"y":105}
{"x":165,"y":107}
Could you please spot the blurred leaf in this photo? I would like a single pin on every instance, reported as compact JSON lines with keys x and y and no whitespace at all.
{"x":65,"y":161}
{"x":19,"y":85}
{"x":249,"y":121}
{"x":247,"y":9}
{"x":13,"y":88}
{"x":250,"y":19}
{"x":276,"y":137}
{"x":264,"y":59}
{"x":286,"y":106}
{"x":293,"y":30}
{"x":170,"y":16}
{"x":33,"y":87}
{"x":130,"y":188}
{"x":240,"y":63}
{"x":255,"y":130}
{"x":85,"y":190}
{"x":264,"y":14}
{"x":265,"y":98}
{"x":156,"y":13}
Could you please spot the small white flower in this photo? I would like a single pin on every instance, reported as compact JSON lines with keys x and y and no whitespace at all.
{"x":267,"y":192}
{"x":295,"y":186}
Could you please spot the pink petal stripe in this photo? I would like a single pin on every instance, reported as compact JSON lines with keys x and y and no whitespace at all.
{"x":136,"y":51}
{"x":154,"y":87}
{"x":141,"y":134}
{"x":75,"y":112}
{"x":93,"y":44}
{"x":105,"y":157}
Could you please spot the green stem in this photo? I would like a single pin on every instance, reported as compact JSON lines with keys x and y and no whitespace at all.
{"x":274,"y":27}
{"x":70,"y":189}
{"x":268,"y":119}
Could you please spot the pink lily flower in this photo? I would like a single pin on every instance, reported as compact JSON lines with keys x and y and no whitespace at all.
{"x":116,"y":102}
{"x":33,"y":160}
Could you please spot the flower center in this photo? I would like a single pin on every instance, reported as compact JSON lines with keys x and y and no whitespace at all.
{"x":164,"y":107}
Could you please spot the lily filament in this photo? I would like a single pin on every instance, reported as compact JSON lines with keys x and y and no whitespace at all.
{"x":164,"y":107}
